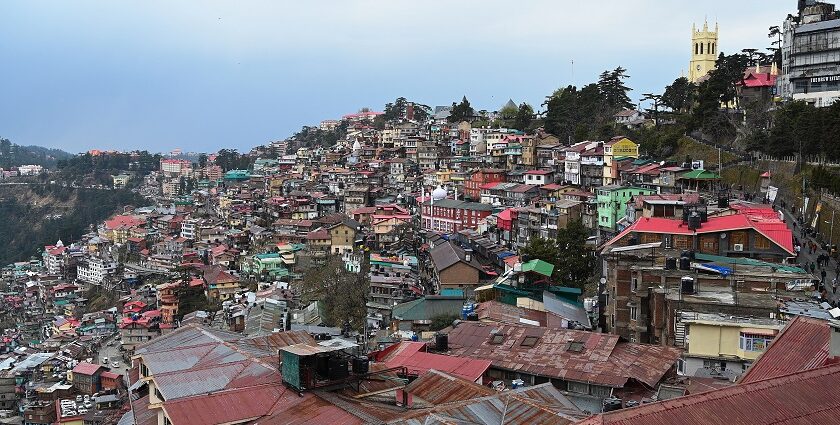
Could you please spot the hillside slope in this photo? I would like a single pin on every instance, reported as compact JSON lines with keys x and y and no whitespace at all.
{"x":37,"y":215}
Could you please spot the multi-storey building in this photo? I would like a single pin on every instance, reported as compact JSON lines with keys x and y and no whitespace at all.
{"x":451,"y":216}
{"x":811,"y":55}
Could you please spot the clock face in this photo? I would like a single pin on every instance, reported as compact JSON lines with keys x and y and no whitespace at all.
{"x":698,"y":67}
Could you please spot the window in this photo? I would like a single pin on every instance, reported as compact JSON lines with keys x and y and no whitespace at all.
{"x":634,"y":284}
{"x":761,"y":242}
{"x":529,"y":341}
{"x":600,"y":391}
{"x":753,"y":342}
{"x":714,"y":364}
{"x":669,"y":243}
{"x":634,"y":312}
{"x":681,"y":242}
{"x":497,"y":339}
{"x":575,"y":347}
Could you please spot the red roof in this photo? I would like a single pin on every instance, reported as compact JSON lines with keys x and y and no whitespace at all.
{"x":775,"y":230}
{"x":802,"y":345}
{"x":85,"y":368}
{"x":506,"y":214}
{"x":800,"y":398}
{"x":110,"y":375}
{"x":539,"y":172}
{"x":411,"y":355}
{"x":759,"y":79}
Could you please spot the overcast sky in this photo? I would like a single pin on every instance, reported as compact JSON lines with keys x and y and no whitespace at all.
{"x":202,"y":75}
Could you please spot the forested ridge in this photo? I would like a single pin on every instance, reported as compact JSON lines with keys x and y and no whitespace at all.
{"x":32,"y":216}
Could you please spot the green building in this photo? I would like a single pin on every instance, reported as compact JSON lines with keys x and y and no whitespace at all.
{"x":612,"y":203}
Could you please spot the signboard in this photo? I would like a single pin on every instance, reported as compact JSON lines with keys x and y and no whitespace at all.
{"x":625,"y":147}
{"x":816,"y":215}
{"x":698,"y":165}
{"x":826,"y":79}
{"x":772,"y":191}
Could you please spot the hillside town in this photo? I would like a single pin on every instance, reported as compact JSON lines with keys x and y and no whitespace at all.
{"x":443,"y":265}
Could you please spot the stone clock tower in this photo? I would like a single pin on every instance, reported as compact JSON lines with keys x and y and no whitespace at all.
{"x":703,"y":51}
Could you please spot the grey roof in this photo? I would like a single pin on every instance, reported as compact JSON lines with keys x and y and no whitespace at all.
{"x":447,"y":254}
{"x":554,"y":304}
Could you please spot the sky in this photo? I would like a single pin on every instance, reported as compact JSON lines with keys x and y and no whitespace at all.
{"x":204,"y":75}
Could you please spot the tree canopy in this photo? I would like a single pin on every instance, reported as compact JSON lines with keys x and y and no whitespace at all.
{"x":461,"y":111}
{"x":573,"y":261}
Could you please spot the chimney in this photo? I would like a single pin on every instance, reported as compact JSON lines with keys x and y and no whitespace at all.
{"x":834,"y":341}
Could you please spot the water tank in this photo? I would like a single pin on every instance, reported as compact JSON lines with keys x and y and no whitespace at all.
{"x":360,"y":365}
{"x":442,"y":342}
{"x":611,"y":404}
{"x":704,"y":216}
{"x":670,"y":263}
{"x":694,"y":221}
{"x":337,"y":368}
{"x":687,"y":285}
{"x":685,"y":263}
{"x":723,"y":203}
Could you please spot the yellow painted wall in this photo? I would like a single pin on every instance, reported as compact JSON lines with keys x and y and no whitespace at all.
{"x":717,"y":340}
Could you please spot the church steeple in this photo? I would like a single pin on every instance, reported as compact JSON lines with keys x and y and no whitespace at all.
{"x":703,"y":51}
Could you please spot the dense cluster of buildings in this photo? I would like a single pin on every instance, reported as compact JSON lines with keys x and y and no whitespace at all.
{"x":192,"y":309}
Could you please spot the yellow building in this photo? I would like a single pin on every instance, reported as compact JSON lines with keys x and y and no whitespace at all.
{"x":724,"y":343}
{"x":703,"y":52}
{"x":618,"y":147}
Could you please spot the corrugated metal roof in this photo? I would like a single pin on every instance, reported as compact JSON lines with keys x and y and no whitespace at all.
{"x":601,"y":359}
{"x":192,"y":382}
{"x":419,"y":362}
{"x":436,"y":387}
{"x":541,"y":404}
{"x":802,"y":345}
{"x":800,"y":398}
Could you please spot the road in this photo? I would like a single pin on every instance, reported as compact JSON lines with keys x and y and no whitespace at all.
{"x":112,"y":352}
{"x":806,"y":257}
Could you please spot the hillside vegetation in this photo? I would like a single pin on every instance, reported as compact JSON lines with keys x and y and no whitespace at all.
{"x":37,"y":215}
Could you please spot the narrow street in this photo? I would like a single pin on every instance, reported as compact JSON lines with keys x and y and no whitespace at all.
{"x":806,"y":257}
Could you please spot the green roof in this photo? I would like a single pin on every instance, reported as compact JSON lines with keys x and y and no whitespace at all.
{"x":539,"y":266}
{"x":700,"y":175}
{"x":428,"y":307}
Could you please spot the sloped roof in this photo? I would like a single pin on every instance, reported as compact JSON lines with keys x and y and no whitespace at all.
{"x":437,"y":387}
{"x":538,"y":266}
{"x":601,"y":359}
{"x":84,"y":368}
{"x":800,"y":398}
{"x":540,"y":404}
{"x":802,"y":345}
{"x":448,"y":254}
{"x":417,"y":361}
{"x":427,"y":307}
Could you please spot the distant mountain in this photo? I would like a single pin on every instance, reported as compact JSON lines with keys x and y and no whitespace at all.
{"x":12,"y":155}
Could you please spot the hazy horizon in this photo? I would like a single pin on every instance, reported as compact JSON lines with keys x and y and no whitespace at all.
{"x":206,"y":75}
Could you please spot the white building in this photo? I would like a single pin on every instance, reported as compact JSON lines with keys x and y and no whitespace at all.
{"x":95,"y":269}
{"x":188,"y":228}
{"x":811,"y":55}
